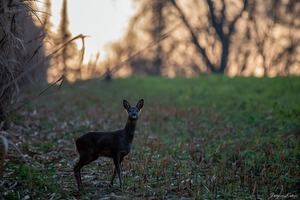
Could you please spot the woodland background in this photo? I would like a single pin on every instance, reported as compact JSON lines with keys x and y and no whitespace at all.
{"x":164,"y":38}
{"x":249,"y":130}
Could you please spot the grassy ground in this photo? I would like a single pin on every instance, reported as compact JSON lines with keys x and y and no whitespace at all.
{"x":210,"y":137}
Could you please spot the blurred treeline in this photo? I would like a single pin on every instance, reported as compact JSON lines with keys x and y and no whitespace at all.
{"x":164,"y":37}
{"x":234,"y":37}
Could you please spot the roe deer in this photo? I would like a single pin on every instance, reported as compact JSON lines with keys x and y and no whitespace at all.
{"x":115,"y":144}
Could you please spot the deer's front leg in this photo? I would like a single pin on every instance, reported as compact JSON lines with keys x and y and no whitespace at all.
{"x":112,"y":178}
{"x":117,"y":161}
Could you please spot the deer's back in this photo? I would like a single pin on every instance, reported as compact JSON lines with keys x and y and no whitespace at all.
{"x":103,"y":143}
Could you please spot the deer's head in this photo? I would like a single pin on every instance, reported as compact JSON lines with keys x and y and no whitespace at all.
{"x":133,"y":111}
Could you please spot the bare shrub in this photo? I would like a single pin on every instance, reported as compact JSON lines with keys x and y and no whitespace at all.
{"x":21,"y":44}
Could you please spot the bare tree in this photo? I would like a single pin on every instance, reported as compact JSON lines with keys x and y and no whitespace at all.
{"x":153,"y":12}
{"x":47,"y":24}
{"x":157,"y":30}
{"x":224,"y":28}
{"x":67,"y":61}
{"x":275,"y":32}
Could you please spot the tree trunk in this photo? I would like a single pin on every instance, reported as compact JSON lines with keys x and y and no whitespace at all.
{"x":224,"y":56}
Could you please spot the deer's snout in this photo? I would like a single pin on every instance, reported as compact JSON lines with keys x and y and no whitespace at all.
{"x":134,"y":115}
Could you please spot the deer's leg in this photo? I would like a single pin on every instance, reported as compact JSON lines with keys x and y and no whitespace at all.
{"x":113,"y":178}
{"x":114,"y":174}
{"x":117,"y":162}
{"x":83,"y":160}
{"x":77,"y":173}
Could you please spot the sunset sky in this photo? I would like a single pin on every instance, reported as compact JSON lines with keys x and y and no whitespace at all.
{"x":103,"y":20}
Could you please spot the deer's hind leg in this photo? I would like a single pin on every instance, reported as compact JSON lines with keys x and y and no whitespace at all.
{"x":83,"y":160}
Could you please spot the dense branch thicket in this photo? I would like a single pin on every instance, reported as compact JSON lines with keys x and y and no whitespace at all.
{"x":21,"y":52}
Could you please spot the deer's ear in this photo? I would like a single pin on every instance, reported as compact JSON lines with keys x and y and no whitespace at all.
{"x":140,"y":104}
{"x":126,"y":105}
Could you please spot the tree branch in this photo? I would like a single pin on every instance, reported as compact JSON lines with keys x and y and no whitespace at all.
{"x":61,"y":79}
{"x":232,"y":25}
{"x":194,"y":39}
{"x":217,"y":25}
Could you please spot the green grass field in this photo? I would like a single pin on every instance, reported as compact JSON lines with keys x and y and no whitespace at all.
{"x":210,"y":137}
